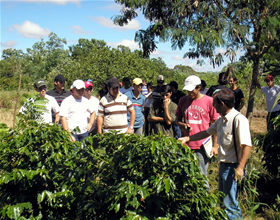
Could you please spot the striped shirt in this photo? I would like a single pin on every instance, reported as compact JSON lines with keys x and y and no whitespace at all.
{"x":114,"y":112}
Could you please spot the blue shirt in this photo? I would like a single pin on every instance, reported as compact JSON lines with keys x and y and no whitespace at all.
{"x":138,"y":105}
{"x":144,"y":90}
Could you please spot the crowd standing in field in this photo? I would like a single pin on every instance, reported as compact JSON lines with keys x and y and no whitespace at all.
{"x":192,"y":118}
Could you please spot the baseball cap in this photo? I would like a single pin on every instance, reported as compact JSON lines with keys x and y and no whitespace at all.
{"x":39,"y":82}
{"x":113,"y":83}
{"x":160,"y":78}
{"x":59,"y":78}
{"x":88,"y":84}
{"x":191,"y":82}
{"x":78,"y":84}
{"x":269,"y":78}
{"x":137,"y":81}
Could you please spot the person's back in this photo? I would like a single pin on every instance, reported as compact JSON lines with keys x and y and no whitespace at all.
{"x":157,"y":89}
{"x":222,"y":84}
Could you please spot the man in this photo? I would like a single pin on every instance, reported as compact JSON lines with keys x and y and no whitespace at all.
{"x":222,"y":83}
{"x":93,"y":101}
{"x":59,"y":93}
{"x":138,"y":102}
{"x":51,"y":104}
{"x":112,"y":110}
{"x":162,"y":113}
{"x":157,"y":89}
{"x":144,"y":90}
{"x":176,"y":94}
{"x":126,"y":85}
{"x":270,"y":94}
{"x":74,"y":112}
{"x":198,"y":112}
{"x":232,"y":155}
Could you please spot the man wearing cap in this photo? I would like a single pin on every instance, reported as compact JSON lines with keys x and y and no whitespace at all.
{"x":51,"y":104}
{"x":112,"y":110}
{"x":157,"y":89}
{"x":126,"y":85}
{"x":138,"y":102}
{"x":74,"y":112}
{"x":197,"y":112}
{"x":270,"y":94}
{"x":93,"y":101}
{"x":59,"y":93}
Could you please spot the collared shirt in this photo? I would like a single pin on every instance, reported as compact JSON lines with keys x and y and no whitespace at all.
{"x":138,"y":104}
{"x":114,"y":112}
{"x":223,"y":128}
{"x":270,"y":95}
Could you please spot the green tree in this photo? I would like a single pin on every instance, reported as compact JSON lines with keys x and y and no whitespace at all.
{"x":206,"y":25}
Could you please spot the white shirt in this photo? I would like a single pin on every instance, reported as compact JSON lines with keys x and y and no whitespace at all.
{"x":76,"y":111}
{"x":123,"y":90}
{"x":204,"y":91}
{"x":51,"y":104}
{"x":270,"y":95}
{"x":223,"y":128}
{"x":149,"y":101}
{"x":93,"y":102}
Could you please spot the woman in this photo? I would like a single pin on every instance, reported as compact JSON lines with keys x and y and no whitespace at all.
{"x":103,"y":91}
{"x":238,"y":94}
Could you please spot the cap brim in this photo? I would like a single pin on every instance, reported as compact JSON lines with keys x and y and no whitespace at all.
{"x":189,"y":88}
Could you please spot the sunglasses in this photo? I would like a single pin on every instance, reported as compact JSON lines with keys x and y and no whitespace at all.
{"x":89,"y":89}
{"x":42,"y":88}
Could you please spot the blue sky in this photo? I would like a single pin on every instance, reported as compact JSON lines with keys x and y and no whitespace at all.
{"x":24,"y":22}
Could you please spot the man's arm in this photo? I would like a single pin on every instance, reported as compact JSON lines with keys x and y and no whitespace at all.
{"x":132,"y":120}
{"x":167,"y":117}
{"x":196,"y":137}
{"x":57,"y":118}
{"x":100,"y":120}
{"x":239,"y":172}
{"x":215,"y":147}
{"x":182,"y":124}
{"x":66,"y":128}
{"x":91,"y":120}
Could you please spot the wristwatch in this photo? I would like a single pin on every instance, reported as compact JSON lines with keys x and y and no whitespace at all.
{"x":131,"y":128}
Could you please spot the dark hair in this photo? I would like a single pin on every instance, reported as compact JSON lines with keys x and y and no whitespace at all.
{"x":226,"y":96}
{"x":234,"y":78}
{"x":166,"y":89}
{"x":223,"y":78}
{"x":150,"y":85}
{"x":203,"y":83}
{"x":104,"y":83}
{"x":174,"y":84}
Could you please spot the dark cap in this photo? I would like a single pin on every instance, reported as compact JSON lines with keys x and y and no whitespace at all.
{"x":269,"y":78}
{"x":39,"y":83}
{"x":59,"y":78}
{"x":113,"y":83}
{"x":126,"y":79}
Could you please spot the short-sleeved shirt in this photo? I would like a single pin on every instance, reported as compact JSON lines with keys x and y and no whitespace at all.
{"x":223,"y":128}
{"x":156,"y":93}
{"x":59,"y":97}
{"x":76,"y":111}
{"x":238,"y":97}
{"x":123,"y":90}
{"x":157,"y":110}
{"x":114,"y":112}
{"x":144,"y":90}
{"x":198,"y":113}
{"x":50,"y":105}
{"x":270,"y":94}
{"x":138,"y":104}
{"x":175,"y":97}
{"x":95,"y":103}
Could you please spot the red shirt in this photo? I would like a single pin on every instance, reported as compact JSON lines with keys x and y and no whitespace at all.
{"x":198,"y":114}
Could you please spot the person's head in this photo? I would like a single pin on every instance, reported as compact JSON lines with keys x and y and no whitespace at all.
{"x":113,"y":87}
{"x":104,"y":86}
{"x":144,"y":82}
{"x":269,"y":81}
{"x":41,"y":87}
{"x":137,"y":85}
{"x":165,"y":92}
{"x":223,"y":78}
{"x":174,"y":86}
{"x":193,"y":86}
{"x":223,"y":100}
{"x":88,"y":89}
{"x":59,"y":82}
{"x":203,"y":85}
{"x":150,"y":86}
{"x":126,"y":82}
{"x":232,"y":81}
{"x":78,"y":88}
{"x":160,"y":80}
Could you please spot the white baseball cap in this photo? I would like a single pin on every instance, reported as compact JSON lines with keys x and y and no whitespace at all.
{"x":78,"y":84}
{"x":191,"y":82}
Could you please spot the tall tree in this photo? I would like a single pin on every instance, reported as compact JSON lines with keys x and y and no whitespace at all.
{"x":206,"y":25}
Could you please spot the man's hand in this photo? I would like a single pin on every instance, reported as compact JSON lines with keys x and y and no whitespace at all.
{"x":188,"y":127}
{"x":72,"y":139}
{"x":184,"y":139}
{"x":89,"y":126}
{"x":166,"y":103}
{"x":214,"y":151}
{"x":239,"y":173}
{"x":129,"y":131}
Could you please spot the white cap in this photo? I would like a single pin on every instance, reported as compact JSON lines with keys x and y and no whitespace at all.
{"x":78,"y":84}
{"x":191,"y":82}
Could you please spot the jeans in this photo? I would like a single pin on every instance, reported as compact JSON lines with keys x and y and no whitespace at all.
{"x":176,"y":130}
{"x":80,"y":137}
{"x":228,"y":186}
{"x":203,"y":163}
{"x":270,"y":125}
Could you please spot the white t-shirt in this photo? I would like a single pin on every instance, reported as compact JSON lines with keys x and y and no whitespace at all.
{"x":76,"y":111}
{"x":270,"y":94}
{"x":149,"y":102}
{"x":123,"y":90}
{"x":95,"y":103}
{"x":51,"y":104}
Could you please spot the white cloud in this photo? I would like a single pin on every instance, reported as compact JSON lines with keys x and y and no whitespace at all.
{"x":59,"y":2}
{"x":30,"y":30}
{"x":128,"y":43}
{"x":114,"y":7}
{"x":9,"y":44}
{"x":106,"y":22}
{"x":221,"y":50}
{"x":79,"y":30}
{"x":73,"y":41}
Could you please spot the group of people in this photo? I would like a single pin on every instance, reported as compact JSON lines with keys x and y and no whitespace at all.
{"x":142,"y":108}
